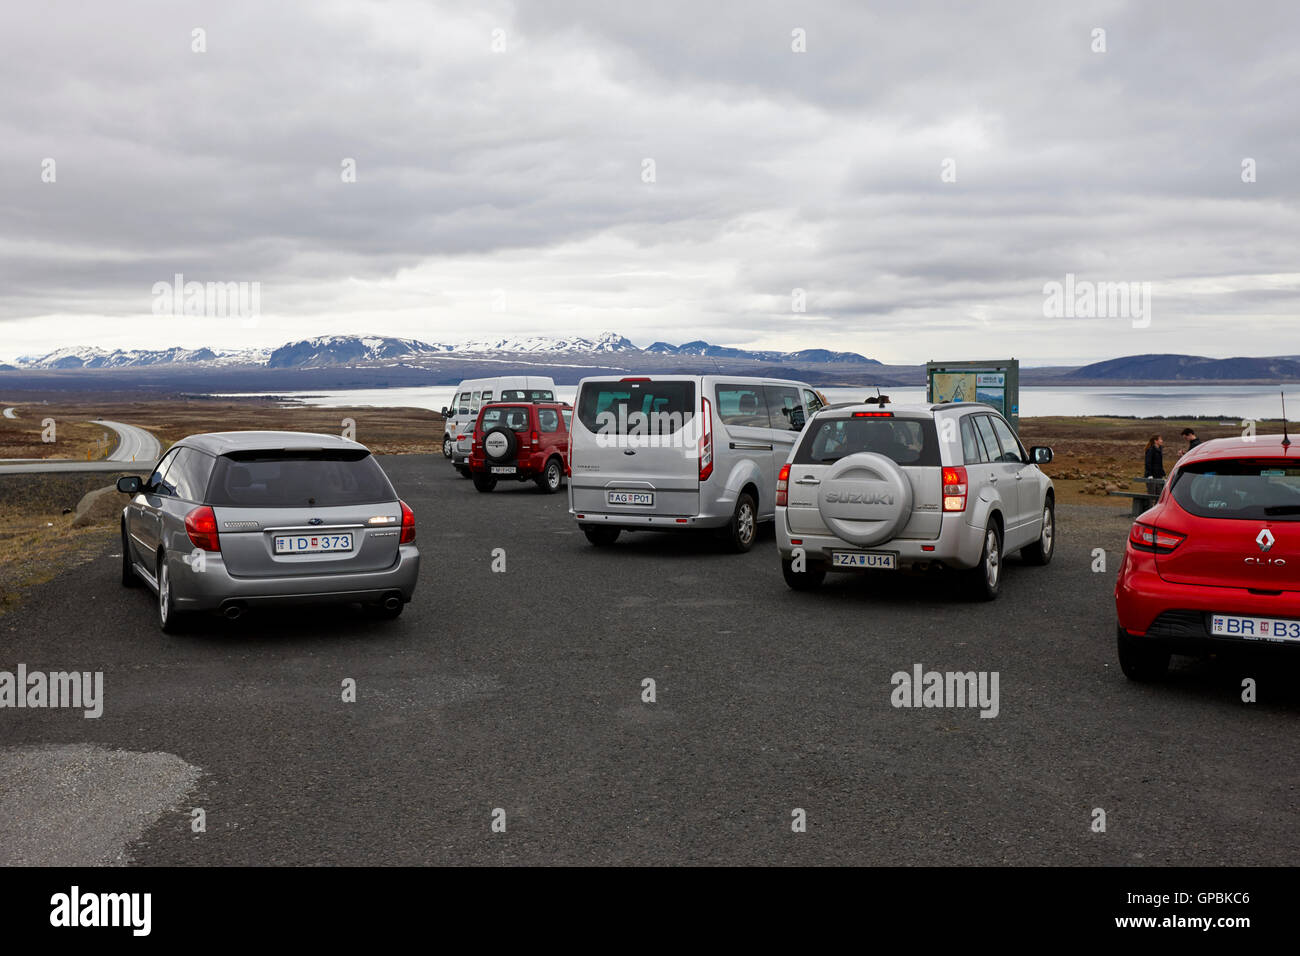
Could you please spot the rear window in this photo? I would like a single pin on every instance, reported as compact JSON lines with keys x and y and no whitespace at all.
{"x":298,"y":479}
{"x":514,"y":418}
{"x":527,"y":395}
{"x":1243,"y":489}
{"x":636,"y":408}
{"x":906,"y":441}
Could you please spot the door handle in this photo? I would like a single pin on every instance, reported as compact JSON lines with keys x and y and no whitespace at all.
{"x":993,"y":479}
{"x":1019,"y":477}
{"x":807,"y":481}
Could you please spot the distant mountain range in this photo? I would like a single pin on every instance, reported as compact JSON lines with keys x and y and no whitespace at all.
{"x":1177,"y":368}
{"x":334,"y":350}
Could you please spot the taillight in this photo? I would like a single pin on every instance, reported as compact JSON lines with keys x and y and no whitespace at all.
{"x":201,"y":526}
{"x":954,"y":488}
{"x":533,"y":439}
{"x":706,"y":442}
{"x":783,"y":485}
{"x":1147,"y":537}
{"x":408,"y":523}
{"x":873,"y":414}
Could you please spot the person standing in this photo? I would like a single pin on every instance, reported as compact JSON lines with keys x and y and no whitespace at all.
{"x":1153,"y":468}
{"x":1192,"y":440}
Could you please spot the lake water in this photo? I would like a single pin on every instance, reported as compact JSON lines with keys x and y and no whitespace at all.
{"x":1229,"y":402}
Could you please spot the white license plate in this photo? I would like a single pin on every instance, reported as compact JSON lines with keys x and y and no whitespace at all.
{"x":1255,"y":628}
{"x":312,"y":543}
{"x":883,"y":560}
{"x":503,"y":469}
{"x":644,"y":499}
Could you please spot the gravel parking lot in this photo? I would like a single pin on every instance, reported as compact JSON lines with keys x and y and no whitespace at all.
{"x":522,"y":692}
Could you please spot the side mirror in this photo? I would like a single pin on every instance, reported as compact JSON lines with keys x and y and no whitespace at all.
{"x":1040,"y":454}
{"x":444,"y":411}
{"x":130,"y":484}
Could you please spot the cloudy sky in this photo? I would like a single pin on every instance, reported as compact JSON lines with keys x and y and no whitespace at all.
{"x":921,"y":171}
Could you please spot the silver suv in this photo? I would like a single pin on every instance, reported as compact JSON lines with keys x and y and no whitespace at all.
{"x":877,"y":487}
{"x":231,"y":520}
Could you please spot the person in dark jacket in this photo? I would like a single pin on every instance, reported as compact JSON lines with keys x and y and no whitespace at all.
{"x":1192,"y":440}
{"x":1153,"y":468}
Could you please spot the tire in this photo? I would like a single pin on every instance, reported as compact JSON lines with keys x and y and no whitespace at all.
{"x":985,"y":579}
{"x":1139,"y":659}
{"x":602,"y":536}
{"x":129,"y":577}
{"x":1040,"y":552}
{"x":511,"y":445}
{"x":447,"y":446}
{"x":170,"y":620}
{"x":550,"y":479}
{"x":484,"y":483}
{"x":809,"y":579}
{"x":743,"y":527}
{"x":464,"y":471}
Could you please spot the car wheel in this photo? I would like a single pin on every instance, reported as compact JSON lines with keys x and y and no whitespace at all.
{"x":170,"y":620}
{"x":484,"y":482}
{"x":986,"y":577}
{"x":1040,"y":552}
{"x":549,"y":480}
{"x":743,"y":528}
{"x":446,"y":447}
{"x":1139,"y":659}
{"x":808,"y":579}
{"x":129,"y":578}
{"x":602,"y":536}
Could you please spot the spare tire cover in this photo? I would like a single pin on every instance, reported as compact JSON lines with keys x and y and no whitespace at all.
{"x":865,"y":499}
{"x":499,"y":443}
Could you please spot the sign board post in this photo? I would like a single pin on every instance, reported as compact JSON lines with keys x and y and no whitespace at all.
{"x":995,"y":383}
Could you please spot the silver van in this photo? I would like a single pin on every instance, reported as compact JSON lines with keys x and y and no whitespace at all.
{"x":668,"y":452}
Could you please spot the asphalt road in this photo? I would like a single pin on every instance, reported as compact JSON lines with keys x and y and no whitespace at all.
{"x":136,"y":448}
{"x":522,"y":691}
{"x":133,"y":444}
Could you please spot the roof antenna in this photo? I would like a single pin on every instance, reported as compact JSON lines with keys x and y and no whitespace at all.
{"x":1286,"y":433}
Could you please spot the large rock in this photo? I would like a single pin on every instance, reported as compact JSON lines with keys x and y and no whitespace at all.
{"x":101,"y":506}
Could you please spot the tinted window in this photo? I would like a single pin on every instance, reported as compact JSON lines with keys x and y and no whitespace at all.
{"x":742,"y":405}
{"x":527,"y":395}
{"x":811,"y":402}
{"x":160,"y":470}
{"x":907,"y":441}
{"x":988,"y":437}
{"x":1011,"y":450}
{"x":636,"y":408}
{"x":548,"y":420}
{"x":514,"y":417}
{"x":287,"y":479}
{"x":188,"y":475}
{"x":971,"y":447}
{"x":1250,"y":490}
{"x":784,"y":407}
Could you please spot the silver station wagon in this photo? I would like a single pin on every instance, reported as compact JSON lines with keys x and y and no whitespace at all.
{"x":233,"y":520}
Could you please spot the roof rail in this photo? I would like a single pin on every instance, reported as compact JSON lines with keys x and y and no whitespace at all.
{"x":939,"y":405}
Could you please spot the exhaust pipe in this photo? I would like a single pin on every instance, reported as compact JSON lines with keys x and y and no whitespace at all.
{"x":392,"y":602}
{"x":233,"y":611}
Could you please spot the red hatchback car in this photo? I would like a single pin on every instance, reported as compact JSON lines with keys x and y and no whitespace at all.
{"x":1216,"y":562}
{"x":521,"y":442}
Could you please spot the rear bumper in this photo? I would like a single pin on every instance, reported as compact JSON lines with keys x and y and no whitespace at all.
{"x":634,"y":522}
{"x":1178,"y":615}
{"x":959,"y":544}
{"x":214,"y":587}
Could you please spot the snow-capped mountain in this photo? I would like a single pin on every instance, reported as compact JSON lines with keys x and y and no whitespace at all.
{"x":330,"y":350}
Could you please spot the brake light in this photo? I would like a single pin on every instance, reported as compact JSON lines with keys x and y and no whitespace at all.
{"x":955,"y":488}
{"x":1147,"y":537}
{"x":533,"y":439}
{"x":408,"y":523}
{"x":706,"y":442}
{"x":640,"y":378}
{"x":783,"y":485}
{"x":201,"y":526}
{"x":873,"y":414}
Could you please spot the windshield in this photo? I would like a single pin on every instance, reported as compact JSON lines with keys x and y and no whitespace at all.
{"x":1244,"y":489}
{"x":905,"y":441}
